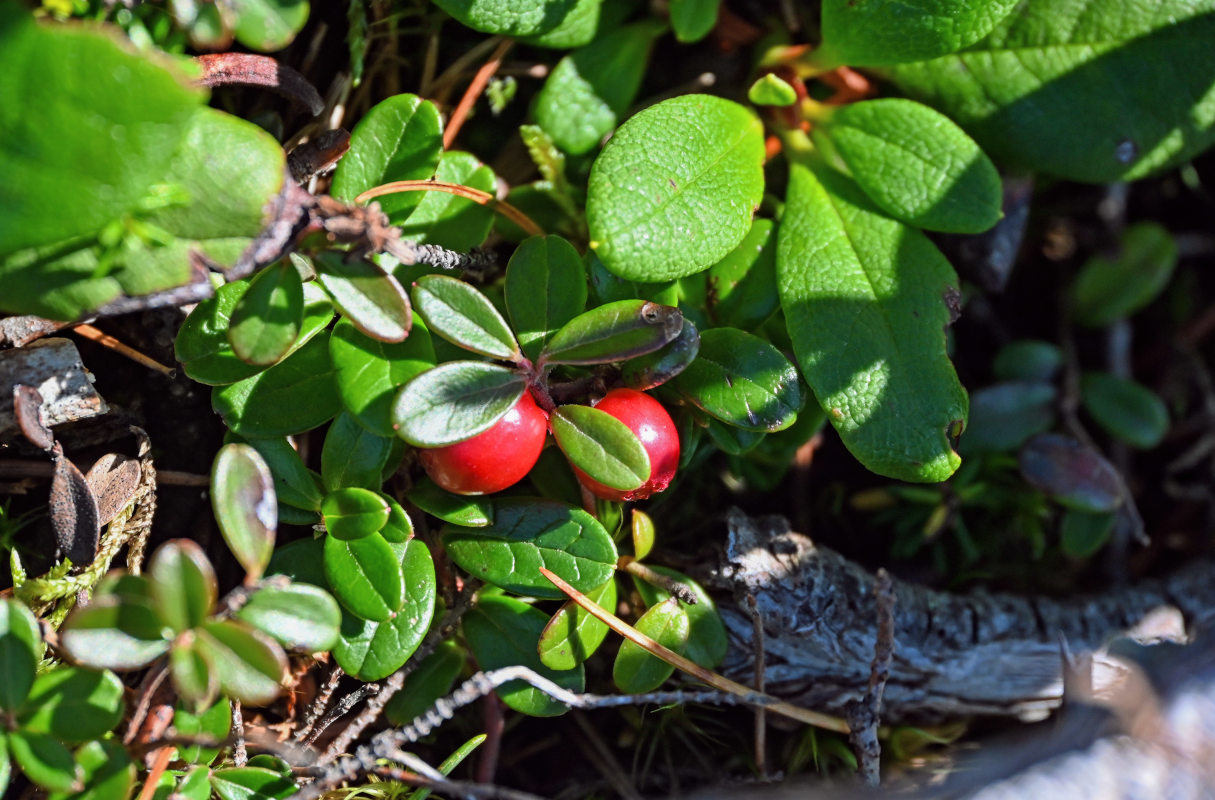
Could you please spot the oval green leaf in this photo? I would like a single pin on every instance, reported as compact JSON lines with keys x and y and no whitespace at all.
{"x":245,"y":504}
{"x":545,"y":288}
{"x":299,"y":616}
{"x":369,"y":372}
{"x":693,"y":19}
{"x":194,"y":680}
{"x":399,"y":527}
{"x":1003,"y":416}
{"x":353,"y":513}
{"x":463,"y":316}
{"x":654,"y":369}
{"x":268,"y":25}
{"x":365,"y":576}
{"x":573,"y":635}
{"x":20,"y":650}
{"x":109,"y":773}
{"x":643,"y":533}
{"x":45,"y":761}
{"x":455,"y":401}
{"x":1027,"y":360}
{"x":509,"y":18}
{"x":869,"y":34}
{"x":1072,"y":473}
{"x":1082,"y":534}
{"x":866,"y":301}
{"x":1110,"y":289}
{"x":115,"y":633}
{"x":635,"y":670}
{"x":250,"y":667}
{"x":366,"y":295}
{"x":463,"y":510}
{"x":771,"y":90}
{"x":529,"y":534}
{"x":267,"y":319}
{"x":1126,"y":409}
{"x":251,"y":783}
{"x":182,"y":584}
{"x":601,"y":446}
{"x":73,"y":704}
{"x":613,"y":332}
{"x":353,"y":456}
{"x":675,"y":188}
{"x":708,"y":641}
{"x":447,"y":220}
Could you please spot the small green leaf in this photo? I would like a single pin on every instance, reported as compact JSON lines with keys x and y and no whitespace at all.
{"x":109,"y":773}
{"x":770,"y":90}
{"x":429,"y":681}
{"x":20,"y":649}
{"x":249,"y":665}
{"x":366,"y":295}
{"x":353,"y":513}
{"x":636,"y":671}
{"x":675,"y":188}
{"x":267,"y":319}
{"x":707,"y":638}
{"x":502,"y":632}
{"x":869,"y":34}
{"x":693,"y":19}
{"x":463,"y":510}
{"x":654,"y":369}
{"x":1004,"y":415}
{"x":183,"y":587}
{"x":742,"y":286}
{"x":399,"y":527}
{"x":251,"y":783}
{"x":1027,"y":360}
{"x":1074,"y":474}
{"x":365,"y":576}
{"x":370,"y":650}
{"x":352,"y":456}
{"x":613,"y":332}
{"x":463,"y":316}
{"x":591,"y":89}
{"x":73,"y":704}
{"x":742,"y":380}
{"x":509,"y":18}
{"x":643,"y":534}
{"x":575,"y":30}
{"x":914,"y":163}
{"x":245,"y":504}
{"x":1083,"y":534}
{"x":1126,"y":409}
{"x":866,"y":301}
{"x":293,"y":396}
{"x":300,"y":616}
{"x":451,"y":762}
{"x":268,"y":25}
{"x":456,"y":223}
{"x":369,"y":372}
{"x":214,"y":723}
{"x":572,"y":635}
{"x":545,"y":288}
{"x":601,"y":446}
{"x":114,"y":632}
{"x":529,"y":534}
{"x":196,"y":683}
{"x":455,"y":401}
{"x":45,"y":761}
{"x":1108,"y":290}
{"x":399,"y":139}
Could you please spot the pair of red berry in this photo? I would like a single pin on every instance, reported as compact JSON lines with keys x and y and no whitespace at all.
{"x":503,"y":455}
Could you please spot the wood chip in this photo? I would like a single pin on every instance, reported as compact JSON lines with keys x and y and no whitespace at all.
{"x":113,"y":480}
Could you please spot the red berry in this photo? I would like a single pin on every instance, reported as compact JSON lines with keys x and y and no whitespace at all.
{"x":651,"y":423}
{"x":491,"y":461}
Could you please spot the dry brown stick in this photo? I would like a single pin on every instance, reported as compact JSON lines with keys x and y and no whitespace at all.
{"x":240,"y":755}
{"x":865,"y":715}
{"x":105,"y":340}
{"x":670,"y":585}
{"x":475,"y":87}
{"x":761,"y":715}
{"x":320,"y":703}
{"x":476,"y":195}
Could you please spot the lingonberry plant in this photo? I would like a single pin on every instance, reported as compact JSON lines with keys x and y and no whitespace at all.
{"x":453,"y":383}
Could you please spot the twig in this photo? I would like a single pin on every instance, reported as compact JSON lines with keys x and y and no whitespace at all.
{"x":668,"y":584}
{"x":761,"y":716}
{"x":105,"y":340}
{"x":865,"y":715}
{"x":320,"y":702}
{"x":476,"y":195}
{"x":475,"y":87}
{"x":147,"y":690}
{"x":240,"y":756}
{"x":339,"y":710}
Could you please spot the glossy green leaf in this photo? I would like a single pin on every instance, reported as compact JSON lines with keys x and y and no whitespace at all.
{"x":202,"y":344}
{"x":245,"y":504}
{"x":635,"y":670}
{"x":914,"y":163}
{"x":370,"y":650}
{"x":20,"y":650}
{"x":654,"y":369}
{"x":608,"y":288}
{"x":508,"y":17}
{"x":866,"y":301}
{"x":463,"y":316}
{"x":353,"y":513}
{"x":1027,"y":360}
{"x":430,"y":680}
{"x":742,"y":286}
{"x":1126,"y":409}
{"x":572,"y":635}
{"x":213,"y":723}
{"x":399,"y":139}
{"x":183,"y":587}
{"x":115,"y":633}
{"x":1110,"y":289}
{"x":577,"y":29}
{"x":108,"y":772}
{"x":365,"y":576}
{"x":366,"y":295}
{"x":399,"y":527}
{"x":303,"y":561}
{"x":643,"y":534}
{"x":267,"y":319}
{"x":45,"y":761}
{"x":707,"y":638}
{"x":353,"y":456}
{"x":369,"y":372}
{"x":1082,"y":534}
{"x":249,"y":665}
{"x":742,"y":380}
{"x":456,"y":223}
{"x":693,"y":19}
{"x":268,"y":25}
{"x":591,"y":89}
{"x":771,"y":90}
{"x":455,"y":401}
{"x":675,"y":188}
{"x":545,"y":288}
{"x":1004,"y":415}
{"x":294,"y":484}
{"x":194,"y":680}
{"x":1058,"y":59}
{"x":299,"y":616}
{"x":1073,"y":474}
{"x":463,"y":510}
{"x":613,"y":332}
{"x":293,"y":396}
{"x":502,"y":632}
{"x":869,"y":34}
{"x":251,"y":783}
{"x":529,"y":534}
{"x":601,"y":446}
{"x":73,"y":704}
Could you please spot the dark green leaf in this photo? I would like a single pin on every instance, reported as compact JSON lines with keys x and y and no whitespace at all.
{"x":707,"y":638}
{"x":429,"y":681}
{"x":245,"y":504}
{"x":114,"y":632}
{"x":352,"y":456}
{"x":303,"y":561}
{"x":399,"y":527}
{"x":915,"y":164}
{"x":1126,"y":409}
{"x":194,"y":785}
{"x":73,"y":704}
{"x":1027,"y":360}
{"x":268,"y":316}
{"x":463,"y":510}
{"x":742,"y":380}
{"x":636,"y":671}
{"x":502,"y":632}
{"x":183,"y":587}
{"x":868,"y":34}
{"x":20,"y":649}
{"x":529,"y":534}
{"x":1072,"y":473}
{"x":353,"y":513}
{"x":365,"y":576}
{"x":742,"y":286}
{"x":866,"y":300}
{"x":572,"y":635}
{"x":693,"y":19}
{"x":300,"y":616}
{"x":45,"y":761}
{"x":196,"y":682}
{"x":1108,"y":290}
{"x":371,"y":650}
{"x":399,"y":139}
{"x":463,"y":316}
{"x":293,"y":396}
{"x":268,"y":25}
{"x":456,"y":223}
{"x":455,"y":401}
{"x":366,"y":295}
{"x":1003,"y":416}
{"x":249,"y":665}
{"x":545,"y":288}
{"x":6,"y":766}
{"x":1082,"y":534}
{"x":654,"y":369}
{"x":601,"y":446}
{"x":507,"y":17}
{"x":251,"y":783}
{"x":369,"y":372}
{"x":675,"y":188}
{"x":613,"y":332}
{"x":576,"y":29}
{"x":109,"y":773}
{"x":214,"y":723}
